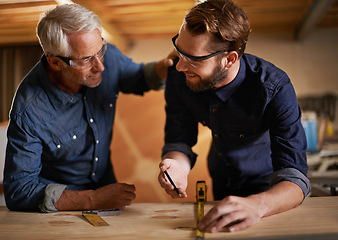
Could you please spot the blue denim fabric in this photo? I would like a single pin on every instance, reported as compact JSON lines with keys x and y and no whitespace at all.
{"x":255,"y":124}
{"x":56,"y":137}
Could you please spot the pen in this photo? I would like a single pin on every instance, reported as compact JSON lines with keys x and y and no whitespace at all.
{"x":172,"y":183}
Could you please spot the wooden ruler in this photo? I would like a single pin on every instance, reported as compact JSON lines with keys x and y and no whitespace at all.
{"x":94,"y":216}
{"x":201,"y":198}
{"x":95,"y":220}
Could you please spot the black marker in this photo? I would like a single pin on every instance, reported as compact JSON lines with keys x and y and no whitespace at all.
{"x":172,"y":183}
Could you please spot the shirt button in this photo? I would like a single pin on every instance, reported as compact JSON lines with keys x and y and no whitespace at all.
{"x":74,"y":137}
{"x":96,"y":159}
{"x":84,"y":97}
{"x":58,"y":146}
{"x":93,"y":174}
{"x":241,"y":136}
{"x":91,"y":120}
{"x":97,"y":141}
{"x":111,"y":105}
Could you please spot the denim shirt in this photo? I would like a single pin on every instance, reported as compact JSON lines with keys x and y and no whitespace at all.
{"x":59,"y":138}
{"x":258,"y":138}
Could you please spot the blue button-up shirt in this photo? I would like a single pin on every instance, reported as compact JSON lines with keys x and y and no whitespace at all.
{"x":59,"y":138}
{"x":256,"y":129}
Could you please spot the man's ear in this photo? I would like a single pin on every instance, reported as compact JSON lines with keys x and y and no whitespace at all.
{"x":231,"y":58}
{"x":54,"y":62}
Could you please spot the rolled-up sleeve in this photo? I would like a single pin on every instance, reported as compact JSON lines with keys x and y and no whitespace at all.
{"x":292,"y":175}
{"x":52,"y":193}
{"x":152,"y":80}
{"x":23,"y":191}
{"x":288,"y":141}
{"x":180,"y":147}
{"x":181,"y":127}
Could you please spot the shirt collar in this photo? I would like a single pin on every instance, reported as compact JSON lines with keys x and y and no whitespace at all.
{"x":57,"y":96}
{"x":225,"y":92}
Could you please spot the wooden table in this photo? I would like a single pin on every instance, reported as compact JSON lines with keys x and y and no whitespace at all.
{"x":316,"y":218}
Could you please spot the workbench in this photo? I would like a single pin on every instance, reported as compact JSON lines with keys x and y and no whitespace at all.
{"x":316,"y":218}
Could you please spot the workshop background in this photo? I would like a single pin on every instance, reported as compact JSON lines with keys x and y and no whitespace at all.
{"x":299,"y":36}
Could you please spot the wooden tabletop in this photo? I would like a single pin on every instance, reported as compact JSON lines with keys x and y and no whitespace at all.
{"x":316,"y":218}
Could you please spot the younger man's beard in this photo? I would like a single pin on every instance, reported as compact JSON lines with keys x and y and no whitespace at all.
{"x":210,"y":82}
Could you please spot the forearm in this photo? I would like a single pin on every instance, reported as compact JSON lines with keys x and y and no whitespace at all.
{"x":116,"y":195}
{"x":281,"y":197}
{"x":75,"y":200}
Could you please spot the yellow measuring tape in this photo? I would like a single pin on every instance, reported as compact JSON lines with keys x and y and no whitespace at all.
{"x":201,"y":198}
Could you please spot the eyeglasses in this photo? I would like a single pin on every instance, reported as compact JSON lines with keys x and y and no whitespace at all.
{"x":194,"y":58}
{"x":86,"y":62}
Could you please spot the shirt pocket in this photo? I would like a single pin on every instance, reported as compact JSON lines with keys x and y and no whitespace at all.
{"x":236,"y":136}
{"x":69,"y":144}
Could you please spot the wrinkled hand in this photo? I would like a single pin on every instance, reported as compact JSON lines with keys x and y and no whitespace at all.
{"x":161,"y":67}
{"x":233,"y":213}
{"x":117,"y":195}
{"x":177,"y":174}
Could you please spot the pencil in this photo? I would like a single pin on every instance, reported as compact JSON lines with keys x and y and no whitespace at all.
{"x":172,"y":183}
